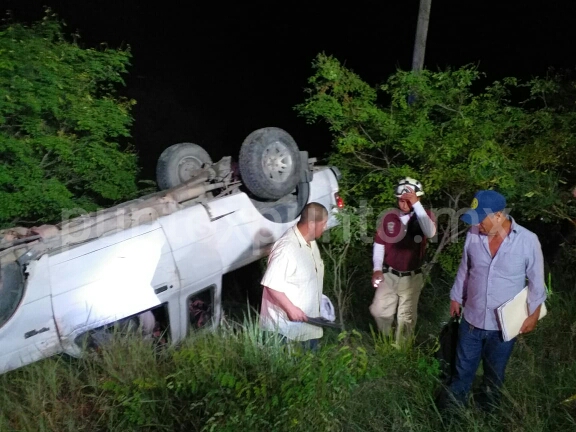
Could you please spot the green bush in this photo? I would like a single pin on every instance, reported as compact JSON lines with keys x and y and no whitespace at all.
{"x":64,"y":131}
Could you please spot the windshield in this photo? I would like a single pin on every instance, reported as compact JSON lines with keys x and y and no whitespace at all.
{"x":11,"y":290}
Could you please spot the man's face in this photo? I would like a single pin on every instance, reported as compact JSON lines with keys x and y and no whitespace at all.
{"x":319,"y":228}
{"x":404,"y":205}
{"x":491,"y":224}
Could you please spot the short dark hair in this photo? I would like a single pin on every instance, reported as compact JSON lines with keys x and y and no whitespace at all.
{"x":313,"y":212}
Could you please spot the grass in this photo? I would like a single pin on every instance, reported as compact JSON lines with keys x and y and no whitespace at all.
{"x":237,"y":379}
{"x":541,"y":379}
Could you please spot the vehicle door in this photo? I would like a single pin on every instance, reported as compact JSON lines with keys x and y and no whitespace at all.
{"x":112,"y":278}
{"x":27,"y":329}
{"x":191,"y":236}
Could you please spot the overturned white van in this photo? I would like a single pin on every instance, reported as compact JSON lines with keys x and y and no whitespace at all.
{"x":161,"y":256}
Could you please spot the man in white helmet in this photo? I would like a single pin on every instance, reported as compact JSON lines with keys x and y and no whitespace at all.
{"x":398,"y":255}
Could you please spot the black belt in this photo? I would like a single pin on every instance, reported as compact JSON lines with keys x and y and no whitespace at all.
{"x":400,"y":273}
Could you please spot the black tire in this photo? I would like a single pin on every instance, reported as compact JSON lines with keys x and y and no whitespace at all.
{"x":269,"y":163}
{"x":177,"y":163}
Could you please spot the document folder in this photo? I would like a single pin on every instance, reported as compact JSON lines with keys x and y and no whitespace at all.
{"x":513,"y":313}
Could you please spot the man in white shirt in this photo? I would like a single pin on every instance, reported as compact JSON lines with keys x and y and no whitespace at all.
{"x":399,"y":247}
{"x":293,"y":280}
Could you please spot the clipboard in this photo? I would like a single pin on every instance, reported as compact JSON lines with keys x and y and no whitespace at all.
{"x":511,"y":315}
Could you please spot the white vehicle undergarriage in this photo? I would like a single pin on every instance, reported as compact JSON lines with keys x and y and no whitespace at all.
{"x":156,"y":261}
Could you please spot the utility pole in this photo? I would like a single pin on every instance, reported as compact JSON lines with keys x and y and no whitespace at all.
{"x":421,"y":34}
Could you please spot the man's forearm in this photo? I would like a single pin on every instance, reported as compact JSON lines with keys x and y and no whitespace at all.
{"x":531,"y":322}
{"x":536,"y":313}
{"x":377,"y":256}
{"x":280,"y":299}
{"x":427,"y":225}
{"x":458,"y":291}
{"x":535,"y":275}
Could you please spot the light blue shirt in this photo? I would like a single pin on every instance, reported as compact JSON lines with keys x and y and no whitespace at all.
{"x":484,"y":283}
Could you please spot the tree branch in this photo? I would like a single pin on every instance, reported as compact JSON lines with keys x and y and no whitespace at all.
{"x":360,"y":181}
{"x":384,"y":156}
{"x":560,"y":214}
{"x":451,"y":109}
{"x":368,"y":163}
{"x":454,"y":200}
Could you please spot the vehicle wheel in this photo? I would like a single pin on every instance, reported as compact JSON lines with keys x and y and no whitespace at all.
{"x":269,"y":163}
{"x":178,"y":164}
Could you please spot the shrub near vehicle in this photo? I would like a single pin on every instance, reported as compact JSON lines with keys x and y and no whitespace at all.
{"x":154,"y":263}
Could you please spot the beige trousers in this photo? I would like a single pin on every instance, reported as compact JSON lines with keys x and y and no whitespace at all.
{"x":397,"y":295}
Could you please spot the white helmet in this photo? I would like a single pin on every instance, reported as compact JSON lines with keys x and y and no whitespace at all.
{"x":408,"y":181}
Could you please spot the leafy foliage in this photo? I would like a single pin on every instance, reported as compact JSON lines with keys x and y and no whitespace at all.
{"x":345,"y":261}
{"x":62,"y":127}
{"x":455,"y":137}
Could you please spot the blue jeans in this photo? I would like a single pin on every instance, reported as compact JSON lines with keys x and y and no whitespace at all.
{"x":309,"y":345}
{"x":476,"y":344}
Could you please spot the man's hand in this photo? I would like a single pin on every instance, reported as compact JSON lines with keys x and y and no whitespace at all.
{"x":377,"y":277}
{"x":296,"y":314}
{"x":530,"y":322}
{"x":455,"y":308}
{"x":410,"y":196}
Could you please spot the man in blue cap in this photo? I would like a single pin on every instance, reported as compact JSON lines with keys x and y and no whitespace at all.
{"x":499,"y":255}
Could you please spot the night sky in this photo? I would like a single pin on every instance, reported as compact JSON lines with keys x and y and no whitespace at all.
{"x":213,"y":72}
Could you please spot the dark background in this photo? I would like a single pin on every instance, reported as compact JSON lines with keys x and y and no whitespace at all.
{"x":211,"y":73}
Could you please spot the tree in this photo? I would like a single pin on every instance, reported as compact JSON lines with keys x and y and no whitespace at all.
{"x":345,"y":262}
{"x":62,"y":126}
{"x":437,"y":127}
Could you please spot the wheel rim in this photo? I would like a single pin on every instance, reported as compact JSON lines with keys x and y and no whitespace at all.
{"x":277,"y":162}
{"x":187,"y":167}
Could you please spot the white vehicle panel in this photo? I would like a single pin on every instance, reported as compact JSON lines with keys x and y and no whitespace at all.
{"x":196,"y":262}
{"x":20,"y":346}
{"x":187,"y":226}
{"x":30,"y":334}
{"x":243,"y":235}
{"x":72,"y":252}
{"x":322,"y":189}
{"x":120,"y":284}
{"x":38,"y":281}
{"x":190,"y":235}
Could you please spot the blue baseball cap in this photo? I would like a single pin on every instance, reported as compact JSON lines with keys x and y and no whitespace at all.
{"x":485,"y":202}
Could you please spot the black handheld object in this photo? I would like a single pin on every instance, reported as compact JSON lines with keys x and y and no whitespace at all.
{"x":323,"y":322}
